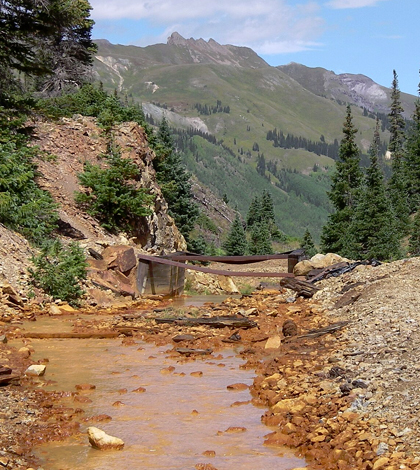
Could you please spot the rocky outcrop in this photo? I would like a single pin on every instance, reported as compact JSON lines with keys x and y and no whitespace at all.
{"x":70,"y":143}
{"x":75,"y":141}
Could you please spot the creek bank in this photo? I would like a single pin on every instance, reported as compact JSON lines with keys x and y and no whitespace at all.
{"x":345,"y":399}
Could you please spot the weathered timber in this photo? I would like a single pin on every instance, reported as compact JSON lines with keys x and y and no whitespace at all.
{"x":215,"y":322}
{"x":8,"y":379}
{"x":105,"y":334}
{"x":5,"y":370}
{"x":319,"y":331}
{"x":179,"y":338}
{"x":302,"y":288}
{"x":333,"y":270}
{"x":189,"y":351}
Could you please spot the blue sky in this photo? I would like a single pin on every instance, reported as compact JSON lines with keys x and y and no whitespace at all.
{"x":370,"y":37}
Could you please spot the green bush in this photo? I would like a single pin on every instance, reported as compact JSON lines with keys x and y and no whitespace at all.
{"x":59,"y":270}
{"x":112,"y":197}
{"x":24,"y":207}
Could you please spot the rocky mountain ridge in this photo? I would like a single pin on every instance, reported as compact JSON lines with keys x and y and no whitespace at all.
{"x":356,"y":89}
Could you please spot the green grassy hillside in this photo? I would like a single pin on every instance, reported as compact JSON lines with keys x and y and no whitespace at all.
{"x":237,"y":98}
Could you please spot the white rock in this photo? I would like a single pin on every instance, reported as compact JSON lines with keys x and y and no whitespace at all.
{"x":36,"y":369}
{"x":102,"y":441}
{"x":317,"y":261}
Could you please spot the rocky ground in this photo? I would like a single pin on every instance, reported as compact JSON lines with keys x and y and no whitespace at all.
{"x":339,"y":383}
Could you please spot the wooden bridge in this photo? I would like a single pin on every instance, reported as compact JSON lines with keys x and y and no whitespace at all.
{"x":165,"y":275}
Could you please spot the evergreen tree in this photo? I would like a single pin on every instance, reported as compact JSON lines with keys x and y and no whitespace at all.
{"x":174,"y":181}
{"x":48,"y":38}
{"x":414,"y":242}
{"x":308,"y":244}
{"x":344,"y":192}
{"x":113,"y":198}
{"x":374,"y":225}
{"x":236,"y":244}
{"x":267,"y":208}
{"x":397,"y":183}
{"x":260,"y":243}
{"x":24,"y":207}
{"x":412,"y":160}
{"x":254,"y":212}
{"x":59,"y":270}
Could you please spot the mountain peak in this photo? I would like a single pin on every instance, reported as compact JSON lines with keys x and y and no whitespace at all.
{"x":175,"y":39}
{"x":202,"y":51}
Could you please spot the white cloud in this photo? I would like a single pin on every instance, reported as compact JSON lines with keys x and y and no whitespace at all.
{"x":341,"y":4}
{"x":264,"y":25}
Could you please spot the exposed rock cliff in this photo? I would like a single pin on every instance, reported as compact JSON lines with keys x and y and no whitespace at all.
{"x":68,"y":144}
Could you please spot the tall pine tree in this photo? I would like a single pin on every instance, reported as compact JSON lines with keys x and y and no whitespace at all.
{"x":236,"y":244}
{"x":336,"y":236}
{"x":260,"y":243}
{"x":412,"y":160}
{"x":174,"y":181}
{"x":374,"y":225}
{"x":397,"y":184}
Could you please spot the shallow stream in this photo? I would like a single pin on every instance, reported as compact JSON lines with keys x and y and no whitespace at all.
{"x":171,"y":413}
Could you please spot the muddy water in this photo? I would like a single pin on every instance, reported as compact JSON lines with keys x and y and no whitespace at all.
{"x":184,"y":410}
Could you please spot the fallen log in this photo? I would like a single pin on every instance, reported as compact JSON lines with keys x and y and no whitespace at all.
{"x":189,"y":351}
{"x":8,"y":379}
{"x":302,"y":288}
{"x":5,"y":370}
{"x":215,"y":322}
{"x":96,"y":335}
{"x":319,"y":331}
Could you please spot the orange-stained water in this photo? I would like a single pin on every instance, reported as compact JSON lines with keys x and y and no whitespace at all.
{"x":169,"y":426}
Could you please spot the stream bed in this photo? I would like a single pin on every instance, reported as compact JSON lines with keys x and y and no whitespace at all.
{"x":171,"y":413}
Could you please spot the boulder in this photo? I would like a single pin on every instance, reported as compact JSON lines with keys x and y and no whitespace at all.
{"x":24,"y":352}
{"x":227,"y":285}
{"x":333,"y":258}
{"x":102,"y":441}
{"x":302,"y":268}
{"x":318,"y":261}
{"x":36,"y":370}
{"x":54,"y":310}
{"x":120,"y":257}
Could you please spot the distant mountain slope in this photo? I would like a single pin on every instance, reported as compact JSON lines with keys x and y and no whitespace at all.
{"x":248,"y":126}
{"x":355,"y":89}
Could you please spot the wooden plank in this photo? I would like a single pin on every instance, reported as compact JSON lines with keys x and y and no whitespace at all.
{"x":8,"y":379}
{"x":302,"y":288}
{"x":189,"y":351}
{"x":215,"y":322}
{"x":99,"y":335}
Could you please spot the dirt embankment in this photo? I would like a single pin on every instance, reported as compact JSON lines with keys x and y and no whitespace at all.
{"x":345,"y":397}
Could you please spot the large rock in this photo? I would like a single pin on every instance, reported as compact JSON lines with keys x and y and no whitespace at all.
{"x":227,"y":285}
{"x":120,"y":257}
{"x":102,"y":441}
{"x":319,"y":261}
{"x":36,"y":370}
{"x":289,"y":405}
{"x":302,"y":268}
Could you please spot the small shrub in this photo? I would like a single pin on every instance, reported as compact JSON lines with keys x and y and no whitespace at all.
{"x":112,"y":197}
{"x":59,"y":270}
